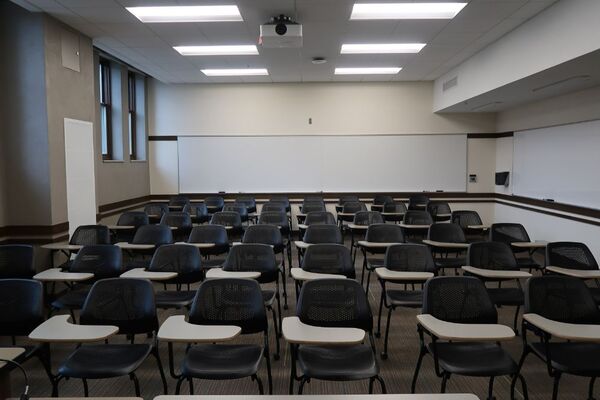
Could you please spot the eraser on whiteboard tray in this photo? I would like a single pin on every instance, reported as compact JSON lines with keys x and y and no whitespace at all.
{"x":552,"y":200}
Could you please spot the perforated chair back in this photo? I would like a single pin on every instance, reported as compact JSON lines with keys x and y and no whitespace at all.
{"x":368,"y":218}
{"x":273,"y":206}
{"x":491,"y":255}
{"x":319,"y":218}
{"x":313,"y":199}
{"x":104,"y":261}
{"x":124,"y":302}
{"x":22,"y":305}
{"x":276,"y":218}
{"x":264,"y":234}
{"x":86,"y":235}
{"x":216,"y":234}
{"x":181,"y":220}
{"x":444,"y":232}
{"x":561,"y":298}
{"x":253,"y":257}
{"x":133,"y":218}
{"x":227,"y":218}
{"x":16,"y":261}
{"x":329,"y":259}
{"x":416,"y":217}
{"x":239,"y":208}
{"x":338,"y":303}
{"x":394,"y":207}
{"x":323,"y":234}
{"x":345,"y":199}
{"x":573,"y":255}
{"x":181,"y":258}
{"x":153,"y":234}
{"x":385,"y":233}
{"x":459,"y":299}
{"x":281,"y":199}
{"x":418,"y":202}
{"x":312,"y":207}
{"x":508,"y":233}
{"x":409,"y":258}
{"x":198,"y":212}
{"x":237,"y":302}
{"x":466,"y":218}
{"x":156,"y":209}
{"x":436,"y":208}
{"x":352,"y":207}
{"x":214,"y":203}
{"x":381,"y":199}
{"x":179,"y":201}
{"x":249,"y":202}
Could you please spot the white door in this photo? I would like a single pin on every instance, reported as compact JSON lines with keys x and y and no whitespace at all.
{"x":81,"y":182}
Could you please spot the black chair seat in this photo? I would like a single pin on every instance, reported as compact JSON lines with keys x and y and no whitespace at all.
{"x":212,"y":263}
{"x":104,"y":360}
{"x":507,"y":296}
{"x":219,"y":361}
{"x":573,"y":358}
{"x":174,"y":298}
{"x":337,"y":363}
{"x":268,"y":297}
{"x":375,"y":262}
{"x":404,"y":298}
{"x":72,"y":300}
{"x":527,"y":262}
{"x":450,"y":262}
{"x":474,"y":359}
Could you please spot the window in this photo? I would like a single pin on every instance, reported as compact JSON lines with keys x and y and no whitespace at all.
{"x":105,"y":108}
{"x":131,"y":90}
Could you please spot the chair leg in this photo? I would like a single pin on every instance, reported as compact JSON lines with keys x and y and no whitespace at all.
{"x":515,"y":325}
{"x":161,"y":370}
{"x":444,"y":382}
{"x":301,"y":387}
{"x":382,"y":383}
{"x":491,"y":388}
{"x":555,"y":386}
{"x":284,"y":279}
{"x":136,"y":383}
{"x":278,"y":298}
{"x":55,"y":381}
{"x":591,"y":388}
{"x":191,"y":385}
{"x":384,"y":354}
{"x":178,"y":386}
{"x":371,"y":385}
{"x":86,"y":392}
{"x":260,"y":385}
{"x":413,"y":385}
{"x":524,"y":386}
{"x":378,"y":333}
{"x":276,"y":328}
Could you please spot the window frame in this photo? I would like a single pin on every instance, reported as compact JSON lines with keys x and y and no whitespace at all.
{"x":105,"y":101}
{"x":132,"y":104}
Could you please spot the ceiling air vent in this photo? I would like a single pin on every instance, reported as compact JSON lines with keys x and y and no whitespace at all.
{"x":449,"y":84}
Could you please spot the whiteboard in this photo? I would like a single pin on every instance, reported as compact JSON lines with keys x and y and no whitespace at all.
{"x":560,"y":163}
{"x":209,"y":164}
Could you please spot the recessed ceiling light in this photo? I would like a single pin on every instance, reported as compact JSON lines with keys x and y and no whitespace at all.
{"x":406,"y":10}
{"x":384,"y":48}
{"x":186,"y":13}
{"x":236,"y":72}
{"x":235,"y":50}
{"x":368,"y":71}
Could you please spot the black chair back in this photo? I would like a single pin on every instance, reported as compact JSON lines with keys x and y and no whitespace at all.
{"x":381,"y":199}
{"x":394,"y":207}
{"x":104,"y":261}
{"x":214,"y":203}
{"x":86,"y":235}
{"x":491,"y":255}
{"x":133,"y":218}
{"x":281,"y":199}
{"x":227,"y":218}
{"x":329,"y":259}
{"x":368,"y":218}
{"x":153,"y":234}
{"x":22,"y":305}
{"x":319,"y":218}
{"x":508,"y":233}
{"x":323,"y":234}
{"x":338,"y":303}
{"x":352,"y":207}
{"x":573,"y":255}
{"x":216,"y":234}
{"x":237,"y":302}
{"x":417,"y":217}
{"x":438,"y":207}
{"x":124,"y":302}
{"x":385,"y":233}
{"x":181,"y":258}
{"x":459,"y":299}
{"x":418,"y":202}
{"x":239,"y":208}
{"x":348,"y":198}
{"x":179,"y":201}
{"x":248,"y":202}
{"x":264,"y":234}
{"x":312,"y":207}
{"x":275,"y":218}
{"x":177,"y":219}
{"x":409,"y":258}
{"x":16,"y":261}
{"x":313,"y":199}
{"x":466,"y":218}
{"x":198,"y":212}
{"x":444,"y":232}
{"x":253,"y":257}
{"x":561,"y":298}
{"x":156,"y":209}
{"x":273,"y":206}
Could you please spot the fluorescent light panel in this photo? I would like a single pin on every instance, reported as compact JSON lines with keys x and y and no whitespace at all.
{"x":368,"y":71}
{"x":235,"y":50}
{"x":384,"y":48}
{"x":236,"y":72}
{"x":406,"y":10}
{"x":186,"y":13}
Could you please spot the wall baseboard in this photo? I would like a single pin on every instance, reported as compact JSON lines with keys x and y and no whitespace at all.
{"x":110,"y":209}
{"x":34,"y":234}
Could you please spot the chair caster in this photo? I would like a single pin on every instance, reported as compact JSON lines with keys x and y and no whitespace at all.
{"x":384,"y":356}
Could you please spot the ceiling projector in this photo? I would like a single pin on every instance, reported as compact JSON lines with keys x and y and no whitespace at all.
{"x":281,"y":32}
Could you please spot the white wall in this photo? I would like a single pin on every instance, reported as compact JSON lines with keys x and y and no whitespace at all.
{"x":481,"y":157}
{"x":504,"y":162}
{"x":164,"y":170}
{"x":335,"y":108}
{"x":566,"y":30}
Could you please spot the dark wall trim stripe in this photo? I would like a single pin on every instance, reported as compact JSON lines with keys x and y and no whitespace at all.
{"x":34,"y":234}
{"x":162,"y":138}
{"x":573,"y":209}
{"x":489,"y":135}
{"x":554,"y":214}
{"x":107,"y":210}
